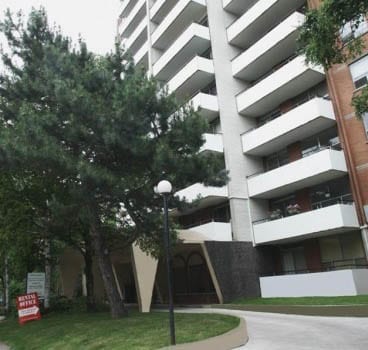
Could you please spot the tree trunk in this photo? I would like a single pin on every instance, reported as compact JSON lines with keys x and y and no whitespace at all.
{"x":88,"y":270}
{"x":117,"y":307}
{"x":6,"y":286}
{"x":47,"y":273}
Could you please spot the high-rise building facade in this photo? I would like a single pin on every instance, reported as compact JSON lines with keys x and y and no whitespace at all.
{"x":292,"y":219}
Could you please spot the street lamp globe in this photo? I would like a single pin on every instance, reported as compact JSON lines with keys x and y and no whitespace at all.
{"x":164,"y":187}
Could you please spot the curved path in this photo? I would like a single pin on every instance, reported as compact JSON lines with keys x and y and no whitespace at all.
{"x":292,"y":332}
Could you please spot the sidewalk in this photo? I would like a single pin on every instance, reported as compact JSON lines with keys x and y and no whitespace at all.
{"x":271,"y":331}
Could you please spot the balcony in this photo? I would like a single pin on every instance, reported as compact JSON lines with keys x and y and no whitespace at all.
{"x":208,"y":231}
{"x":301,"y":122}
{"x":137,"y":39}
{"x":207,"y":195}
{"x":160,"y":9}
{"x":126,"y":7}
{"x":273,"y":48}
{"x":237,"y":7}
{"x":213,"y":143}
{"x":333,"y":219}
{"x":194,"y":41}
{"x":260,"y":19}
{"x":177,"y":20}
{"x":141,"y":57}
{"x":325,"y":165}
{"x":135,"y":17}
{"x":332,"y":283}
{"x":196,"y":75}
{"x":279,"y":85}
{"x":206,"y":105}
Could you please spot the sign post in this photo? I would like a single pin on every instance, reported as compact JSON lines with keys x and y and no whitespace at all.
{"x":28,"y":307}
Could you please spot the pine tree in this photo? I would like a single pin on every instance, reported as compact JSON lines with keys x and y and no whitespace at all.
{"x":102,"y":129}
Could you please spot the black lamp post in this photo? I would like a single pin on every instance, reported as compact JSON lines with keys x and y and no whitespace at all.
{"x":164,"y":189}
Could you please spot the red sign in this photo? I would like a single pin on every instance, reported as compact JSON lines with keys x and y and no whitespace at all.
{"x":28,"y":307}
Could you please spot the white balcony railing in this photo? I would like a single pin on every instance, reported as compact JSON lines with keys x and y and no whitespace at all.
{"x":258,"y":20}
{"x":210,"y":231}
{"x":136,"y":39}
{"x":196,"y":75}
{"x":319,"y":167}
{"x":126,"y":7}
{"x":324,"y":221}
{"x":141,"y":57}
{"x":180,"y":17}
{"x":294,"y":77}
{"x":213,"y":143}
{"x":130,"y":23}
{"x":206,"y":105}
{"x":160,"y":9}
{"x":203,"y":193}
{"x":193,"y":41}
{"x":273,"y":48}
{"x":304,"y":120}
{"x":237,"y":7}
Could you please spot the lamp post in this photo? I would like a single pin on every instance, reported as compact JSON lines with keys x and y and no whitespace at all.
{"x":164,"y":189}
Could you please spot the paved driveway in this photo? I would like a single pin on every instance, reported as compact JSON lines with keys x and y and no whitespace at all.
{"x":289,"y":332}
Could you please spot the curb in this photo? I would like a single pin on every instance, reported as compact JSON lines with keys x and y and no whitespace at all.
{"x":230,"y":340}
{"x":327,"y":311}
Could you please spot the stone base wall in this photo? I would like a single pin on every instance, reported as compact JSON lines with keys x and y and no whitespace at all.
{"x":238,"y":266}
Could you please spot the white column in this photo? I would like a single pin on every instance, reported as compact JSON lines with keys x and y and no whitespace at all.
{"x":232,"y":124}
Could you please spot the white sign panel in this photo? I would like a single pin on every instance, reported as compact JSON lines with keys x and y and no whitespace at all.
{"x":36,"y":283}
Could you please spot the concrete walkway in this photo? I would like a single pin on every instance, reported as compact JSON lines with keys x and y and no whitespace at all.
{"x":290,"y":332}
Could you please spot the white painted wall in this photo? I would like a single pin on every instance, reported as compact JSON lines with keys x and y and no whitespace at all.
{"x":361,"y":281}
{"x":332,"y":283}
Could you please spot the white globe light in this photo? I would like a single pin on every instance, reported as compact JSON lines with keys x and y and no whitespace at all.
{"x":164,"y":186}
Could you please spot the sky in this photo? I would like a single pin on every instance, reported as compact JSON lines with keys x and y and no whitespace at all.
{"x":94,"y":20}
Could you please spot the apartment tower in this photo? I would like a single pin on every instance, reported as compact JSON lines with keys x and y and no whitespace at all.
{"x":292,"y":219}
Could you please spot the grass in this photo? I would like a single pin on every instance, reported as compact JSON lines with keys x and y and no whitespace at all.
{"x":99,"y":331}
{"x":311,"y":301}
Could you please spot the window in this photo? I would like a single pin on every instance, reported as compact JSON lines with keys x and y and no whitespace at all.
{"x":276,"y":160}
{"x":359,"y":72}
{"x":341,"y":247}
{"x":350,"y":30}
{"x":293,"y":260}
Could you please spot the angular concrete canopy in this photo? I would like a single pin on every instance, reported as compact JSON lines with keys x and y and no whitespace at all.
{"x":145,"y":268}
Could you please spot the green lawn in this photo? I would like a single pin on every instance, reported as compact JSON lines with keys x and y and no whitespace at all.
{"x":99,"y":331}
{"x":353,"y":300}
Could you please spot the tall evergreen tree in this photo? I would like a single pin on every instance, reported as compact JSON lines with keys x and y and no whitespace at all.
{"x":100,"y":127}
